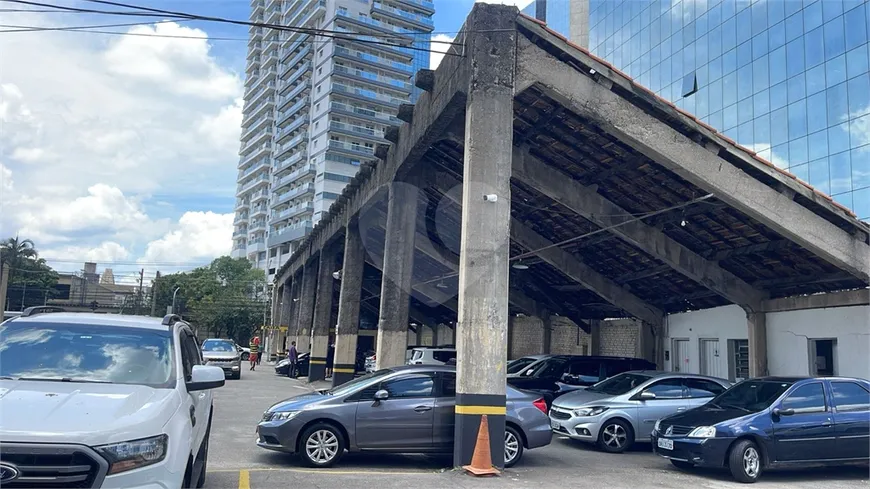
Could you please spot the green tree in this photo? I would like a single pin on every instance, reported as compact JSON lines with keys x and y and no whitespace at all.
{"x":31,"y":280}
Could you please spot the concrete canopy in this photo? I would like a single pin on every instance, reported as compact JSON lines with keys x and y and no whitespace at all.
{"x":643,"y":210}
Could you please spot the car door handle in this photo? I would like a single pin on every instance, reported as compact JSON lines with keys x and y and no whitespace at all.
{"x":681,"y":409}
{"x":422,"y":409}
{"x":826,"y":423}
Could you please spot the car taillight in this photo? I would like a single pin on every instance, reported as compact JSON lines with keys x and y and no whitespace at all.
{"x":541,"y":404}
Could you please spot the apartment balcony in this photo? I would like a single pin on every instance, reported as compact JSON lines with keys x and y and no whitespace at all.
{"x":288,"y":234}
{"x":363,"y":113}
{"x":265,"y":76}
{"x":357,"y":131}
{"x":256,"y":125}
{"x":251,"y":78}
{"x":291,"y":212}
{"x":381,"y":26}
{"x":242,"y":204}
{"x":302,"y":15}
{"x":267,"y":89}
{"x":350,"y":148}
{"x":277,"y":200}
{"x":254,"y":48}
{"x":287,"y":131}
{"x":256,"y":10}
{"x":290,"y":48}
{"x":296,"y":72}
{"x":296,"y":57}
{"x":241,"y":218}
{"x":258,"y":137}
{"x":240,"y":233}
{"x":270,"y":59}
{"x":252,"y":111}
{"x":421,"y":22}
{"x":425,"y":4}
{"x":259,"y":211}
{"x":253,"y":183}
{"x":255,"y":226}
{"x":256,"y":33}
{"x":373,"y":60}
{"x":256,"y":245}
{"x":283,"y":165}
{"x":368,"y":96}
{"x":259,"y":165}
{"x":259,"y":196}
{"x":367,"y":42}
{"x":363,"y":76}
{"x":289,"y":113}
{"x":299,"y":90}
{"x":250,"y":153}
{"x":286,"y":180}
{"x":283,"y":149}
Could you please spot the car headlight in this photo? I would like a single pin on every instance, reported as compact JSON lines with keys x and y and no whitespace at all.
{"x":657,"y":425}
{"x":134,"y":454}
{"x":590,"y":411}
{"x":284,"y":415}
{"x":703,"y":432}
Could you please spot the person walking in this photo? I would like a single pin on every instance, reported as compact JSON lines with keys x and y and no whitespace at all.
{"x":330,"y":358}
{"x":293,"y":356}
{"x":254,"y":345}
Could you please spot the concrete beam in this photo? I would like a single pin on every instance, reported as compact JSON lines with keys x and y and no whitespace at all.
{"x":757,"y":332}
{"x":587,"y":202}
{"x":710,"y":170}
{"x":582,"y":273}
{"x":846,"y":298}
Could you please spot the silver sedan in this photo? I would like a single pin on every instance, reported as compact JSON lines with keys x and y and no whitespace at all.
{"x":616,"y":412}
{"x":407,"y":409}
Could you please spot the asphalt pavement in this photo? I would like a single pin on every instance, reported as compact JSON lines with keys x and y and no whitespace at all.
{"x":235,"y":461}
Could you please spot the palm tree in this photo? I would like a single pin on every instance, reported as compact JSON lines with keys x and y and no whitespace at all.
{"x":13,"y":250}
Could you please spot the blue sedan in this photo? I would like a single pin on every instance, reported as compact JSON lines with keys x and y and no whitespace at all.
{"x":771,"y":422}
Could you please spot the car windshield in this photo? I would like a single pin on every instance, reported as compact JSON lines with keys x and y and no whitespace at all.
{"x":619,"y":384}
{"x":547,"y":368}
{"x":515,"y":366}
{"x":218,"y":346}
{"x":751,"y":396}
{"x":363,"y":382}
{"x":86,"y":353}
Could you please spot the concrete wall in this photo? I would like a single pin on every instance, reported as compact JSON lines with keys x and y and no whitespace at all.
{"x":567,"y":338}
{"x":724,"y":323}
{"x":527,"y":336}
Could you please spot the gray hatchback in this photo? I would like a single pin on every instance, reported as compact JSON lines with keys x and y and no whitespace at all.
{"x":408,"y":409}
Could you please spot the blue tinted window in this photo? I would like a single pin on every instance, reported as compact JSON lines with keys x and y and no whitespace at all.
{"x":832,"y":8}
{"x":812,"y":15}
{"x":744,"y":26}
{"x":794,"y":26}
{"x":715,"y":68}
{"x":796,"y":88}
{"x":856,"y":61}
{"x":856,"y":27}
{"x":860,"y":133}
{"x":816,"y":79}
{"x":797,"y":151}
{"x":729,"y":89}
{"x":841,"y":172}
{"x":715,"y":96}
{"x":838,"y":138}
{"x":744,"y":82}
{"x":729,"y":34}
{"x":778,"y":96}
{"x":797,"y":119}
{"x":838,"y":103}
{"x":729,"y":116}
{"x":791,"y":7}
{"x":844,"y":199}
{"x":860,"y":170}
{"x":819,"y":176}
{"x":835,"y":38}
{"x":861,"y":203}
{"x":744,"y":134}
{"x":744,"y":54}
{"x":801,"y":171}
{"x":817,"y":145}
{"x":744,"y":111}
{"x":815,"y":42}
{"x":779,"y":126}
{"x":761,"y":102}
{"x":817,"y":112}
{"x":729,"y":61}
{"x":859,"y":95}
{"x":759,"y":17}
{"x":761,"y":129}
{"x":780,"y":153}
{"x":775,"y":12}
{"x":778,"y":70}
{"x":835,"y":70}
{"x":795,"y":57}
{"x":776,"y":35}
{"x":759,"y":45}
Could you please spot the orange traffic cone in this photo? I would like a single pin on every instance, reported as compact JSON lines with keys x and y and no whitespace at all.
{"x":481,"y":461}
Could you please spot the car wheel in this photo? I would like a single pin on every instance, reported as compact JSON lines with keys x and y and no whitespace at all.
{"x":321,"y":445}
{"x":683,"y":465}
{"x":513,"y":446}
{"x":745,"y":461}
{"x":201,"y":481}
{"x":245,"y":356}
{"x":616,"y":436}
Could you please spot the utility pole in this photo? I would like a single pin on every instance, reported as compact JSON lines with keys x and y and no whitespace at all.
{"x":154,"y":294}
{"x":139,"y":298}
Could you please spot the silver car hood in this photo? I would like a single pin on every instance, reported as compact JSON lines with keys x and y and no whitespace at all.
{"x":580,"y":398}
{"x":219,"y":355}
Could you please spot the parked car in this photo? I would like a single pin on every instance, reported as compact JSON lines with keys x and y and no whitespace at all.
{"x":283,"y":367}
{"x":223,"y":354}
{"x":244,"y":352}
{"x":103,"y":400}
{"x":517,"y":366}
{"x":371,"y":359}
{"x":771,"y":422}
{"x":558,"y":374}
{"x":408,"y":409}
{"x":429,"y":355}
{"x":616,"y":412}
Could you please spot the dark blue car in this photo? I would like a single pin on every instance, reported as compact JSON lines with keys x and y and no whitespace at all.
{"x":771,"y":422}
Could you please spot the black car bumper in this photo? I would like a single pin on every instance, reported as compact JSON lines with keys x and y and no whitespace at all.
{"x":703,"y":452}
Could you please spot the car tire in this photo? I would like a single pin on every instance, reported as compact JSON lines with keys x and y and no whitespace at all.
{"x":245,"y":356}
{"x":745,"y":461}
{"x":615,"y":436}
{"x":321,"y":445}
{"x":513,"y":445}
{"x":683,"y":465}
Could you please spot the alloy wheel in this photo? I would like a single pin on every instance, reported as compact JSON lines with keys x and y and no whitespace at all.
{"x":511,"y":447}
{"x":615,"y":436}
{"x":322,"y":446}
{"x":751,"y":462}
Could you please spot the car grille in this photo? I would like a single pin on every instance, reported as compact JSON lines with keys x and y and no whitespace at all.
{"x":52,"y":466}
{"x":555,"y":414}
{"x":676,"y":430}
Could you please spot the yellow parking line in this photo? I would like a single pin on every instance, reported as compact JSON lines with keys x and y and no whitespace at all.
{"x":244,"y":479}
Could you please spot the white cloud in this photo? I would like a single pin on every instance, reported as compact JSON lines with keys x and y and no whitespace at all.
{"x":859,"y":128}
{"x":438,"y":49}
{"x":224,"y":128}
{"x":107,"y":251}
{"x":6,"y":183}
{"x":199,"y":236}
{"x":765,"y":152}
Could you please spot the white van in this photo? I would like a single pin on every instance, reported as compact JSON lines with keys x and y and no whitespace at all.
{"x":429,"y":355}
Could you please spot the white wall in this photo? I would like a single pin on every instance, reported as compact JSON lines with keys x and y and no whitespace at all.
{"x":724,"y":323}
{"x":789,"y":332}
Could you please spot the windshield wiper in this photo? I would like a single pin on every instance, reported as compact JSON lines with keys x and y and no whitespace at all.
{"x":736,"y":407}
{"x":64,"y":379}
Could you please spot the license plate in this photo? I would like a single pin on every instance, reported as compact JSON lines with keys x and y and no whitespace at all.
{"x":555,"y":425}
{"x":666,"y":444}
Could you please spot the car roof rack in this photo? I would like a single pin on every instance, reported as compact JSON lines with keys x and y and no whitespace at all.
{"x":32,"y":311}
{"x":170,"y":319}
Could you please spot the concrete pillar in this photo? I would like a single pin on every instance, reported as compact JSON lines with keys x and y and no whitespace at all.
{"x":757,"y":322}
{"x":322,"y":315}
{"x":285,"y":322}
{"x":305,"y":306}
{"x":277,"y":295}
{"x":348,"y":306}
{"x":481,"y":330}
{"x":548,"y":333}
{"x":646,"y":342}
{"x":594,"y":337}
{"x":396,"y":280}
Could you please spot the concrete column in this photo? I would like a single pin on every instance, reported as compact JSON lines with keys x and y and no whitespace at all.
{"x":481,"y":330}
{"x":305,"y":305}
{"x":757,"y":322}
{"x":396,"y":280}
{"x":594,"y":337}
{"x":276,"y":306}
{"x":548,"y":333}
{"x":348,"y":306}
{"x":322,"y":315}
{"x":285,"y":321}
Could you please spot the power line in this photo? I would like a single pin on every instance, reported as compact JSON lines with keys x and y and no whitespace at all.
{"x":25,"y":28}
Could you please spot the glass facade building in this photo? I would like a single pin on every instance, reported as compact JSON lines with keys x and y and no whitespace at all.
{"x":786,"y":78}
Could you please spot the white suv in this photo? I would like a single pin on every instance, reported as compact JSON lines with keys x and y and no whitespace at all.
{"x":98,"y":400}
{"x":429,"y":355}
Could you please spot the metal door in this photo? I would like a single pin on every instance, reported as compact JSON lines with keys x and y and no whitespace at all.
{"x":680,"y":356}
{"x":709,"y":349}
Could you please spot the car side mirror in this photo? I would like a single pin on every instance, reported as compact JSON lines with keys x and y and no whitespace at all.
{"x":783,"y":412}
{"x":382,"y":395}
{"x":205,"y":377}
{"x":646,"y":396}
